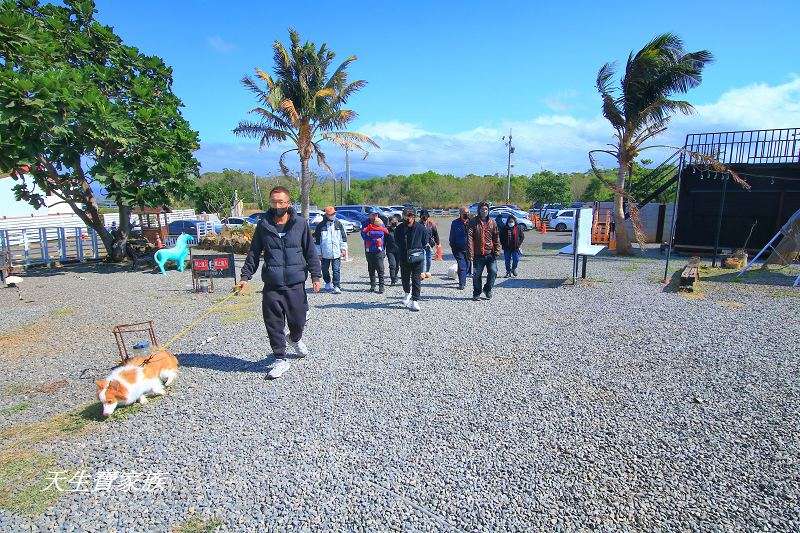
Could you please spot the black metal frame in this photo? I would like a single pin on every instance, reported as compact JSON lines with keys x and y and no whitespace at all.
{"x":753,"y":147}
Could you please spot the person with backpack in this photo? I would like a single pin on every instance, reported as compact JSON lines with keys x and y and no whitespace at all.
{"x":511,"y":237}
{"x":411,"y":237}
{"x":374,"y":235}
{"x":331,"y":239}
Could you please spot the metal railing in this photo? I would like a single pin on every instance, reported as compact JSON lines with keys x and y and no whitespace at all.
{"x":746,"y":147}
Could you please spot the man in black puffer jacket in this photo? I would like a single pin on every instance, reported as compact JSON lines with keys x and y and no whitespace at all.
{"x":287,"y":245}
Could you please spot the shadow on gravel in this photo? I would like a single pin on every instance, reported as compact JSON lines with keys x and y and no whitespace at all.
{"x":89,"y":267}
{"x":362,"y":306}
{"x":517,"y":283}
{"x":224,"y":363}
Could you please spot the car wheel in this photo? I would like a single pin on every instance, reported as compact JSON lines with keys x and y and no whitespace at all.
{"x":561,"y":227}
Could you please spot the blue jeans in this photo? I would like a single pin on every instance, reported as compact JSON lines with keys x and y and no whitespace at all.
{"x":464,"y":266}
{"x":428,"y":258}
{"x":512,"y":259}
{"x":336,"y":266}
{"x":489,"y":262}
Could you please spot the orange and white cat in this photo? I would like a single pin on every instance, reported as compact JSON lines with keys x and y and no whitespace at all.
{"x":137,"y":378}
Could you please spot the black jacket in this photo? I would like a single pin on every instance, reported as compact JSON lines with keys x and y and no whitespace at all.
{"x":511,"y":238}
{"x":410,"y":238}
{"x":458,"y":235}
{"x":391,"y":241}
{"x":287,"y":259}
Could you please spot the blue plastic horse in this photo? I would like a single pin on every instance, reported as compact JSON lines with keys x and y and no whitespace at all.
{"x":177,"y":253}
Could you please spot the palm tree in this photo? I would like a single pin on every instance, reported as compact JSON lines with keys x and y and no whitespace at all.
{"x":640,"y":108}
{"x":304,"y":105}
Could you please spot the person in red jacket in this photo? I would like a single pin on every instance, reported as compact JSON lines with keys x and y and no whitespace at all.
{"x":374,"y":235}
{"x":511,"y":237}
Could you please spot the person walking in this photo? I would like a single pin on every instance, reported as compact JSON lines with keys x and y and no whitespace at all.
{"x":411,"y":237}
{"x":374,"y":235}
{"x":391,"y":249}
{"x":511,"y":237}
{"x":458,"y":245}
{"x":433,"y":241}
{"x":331,"y":238}
{"x":483,"y":242}
{"x":285,"y":241}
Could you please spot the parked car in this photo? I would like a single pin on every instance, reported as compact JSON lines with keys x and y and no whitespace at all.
{"x":473,"y":207}
{"x":361,"y":212}
{"x":502,"y":217}
{"x":349,"y":226}
{"x":234,"y":222}
{"x":393,"y":210}
{"x":550,"y":210}
{"x":564,"y":220}
{"x":190,"y":227}
{"x":254,"y":218}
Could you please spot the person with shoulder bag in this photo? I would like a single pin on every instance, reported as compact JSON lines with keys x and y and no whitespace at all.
{"x":411,"y":238}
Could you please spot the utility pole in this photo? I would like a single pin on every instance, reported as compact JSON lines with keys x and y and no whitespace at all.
{"x":347,"y":165}
{"x":508,"y":173}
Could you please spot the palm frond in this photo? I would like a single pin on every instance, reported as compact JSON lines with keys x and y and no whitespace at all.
{"x":266,"y":77}
{"x":282,"y":165}
{"x":288,"y":107}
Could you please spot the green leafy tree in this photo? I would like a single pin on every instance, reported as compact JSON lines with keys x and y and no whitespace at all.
{"x":303,"y":104}
{"x":79,"y":108}
{"x":641,"y":106}
{"x":549,"y":187}
{"x":215,"y":196}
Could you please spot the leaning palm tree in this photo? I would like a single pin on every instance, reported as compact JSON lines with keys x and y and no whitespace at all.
{"x":303,"y":105}
{"x":640,"y":108}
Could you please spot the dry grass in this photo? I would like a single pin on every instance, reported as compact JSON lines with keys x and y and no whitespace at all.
{"x":23,"y":481}
{"x":196,"y":524}
{"x":17,"y":341}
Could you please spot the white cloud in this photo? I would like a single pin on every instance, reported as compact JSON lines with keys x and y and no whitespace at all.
{"x":561,"y":101}
{"x":220,"y":45}
{"x":393,"y":130}
{"x":557,"y":141}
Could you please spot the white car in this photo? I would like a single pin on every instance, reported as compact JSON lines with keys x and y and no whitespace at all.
{"x":315,"y":217}
{"x":563,"y":220}
{"x":392,"y":210}
{"x":504,"y":215}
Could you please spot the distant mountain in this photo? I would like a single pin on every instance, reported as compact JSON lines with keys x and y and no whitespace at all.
{"x":356,"y":175}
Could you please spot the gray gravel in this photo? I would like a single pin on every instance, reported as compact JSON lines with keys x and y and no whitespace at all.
{"x":612,"y":405}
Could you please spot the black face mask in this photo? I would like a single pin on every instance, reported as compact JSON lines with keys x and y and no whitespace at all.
{"x":465,"y":216}
{"x":278,"y":212}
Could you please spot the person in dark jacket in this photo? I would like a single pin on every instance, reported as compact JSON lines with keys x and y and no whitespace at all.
{"x":411,"y":237}
{"x":511,"y":237}
{"x":433,"y":240}
{"x":458,"y":245}
{"x":374,"y":235}
{"x":483,"y":242}
{"x":287,"y":245}
{"x":391,"y":249}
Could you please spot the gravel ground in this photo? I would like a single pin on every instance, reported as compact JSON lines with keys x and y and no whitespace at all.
{"x":612,"y":405}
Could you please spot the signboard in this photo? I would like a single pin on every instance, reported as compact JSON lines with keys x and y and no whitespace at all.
{"x":218,"y":266}
{"x":581,"y":241}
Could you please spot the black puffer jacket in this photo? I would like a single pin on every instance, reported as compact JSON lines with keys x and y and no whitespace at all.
{"x":287,"y":259}
{"x":410,"y":238}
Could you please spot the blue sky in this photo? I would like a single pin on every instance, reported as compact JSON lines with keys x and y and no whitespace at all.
{"x":447,"y":79}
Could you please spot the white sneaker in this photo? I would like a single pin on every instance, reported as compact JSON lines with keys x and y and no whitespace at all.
{"x":337,"y":290}
{"x":328,"y":287}
{"x":299,"y":348}
{"x":278,"y":368}
{"x":407,"y":300}
{"x":414,"y":306}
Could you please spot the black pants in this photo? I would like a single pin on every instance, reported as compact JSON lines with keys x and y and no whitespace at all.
{"x":288,"y":305}
{"x":393,"y":266}
{"x":410,"y":272}
{"x":375,"y":266}
{"x":489,"y":262}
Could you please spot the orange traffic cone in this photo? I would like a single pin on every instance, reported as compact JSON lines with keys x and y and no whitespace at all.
{"x":544,"y":227}
{"x":612,"y":243}
{"x":159,"y":244}
{"x":439,"y":253}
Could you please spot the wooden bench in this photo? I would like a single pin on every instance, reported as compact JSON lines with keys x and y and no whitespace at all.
{"x":690,"y":275}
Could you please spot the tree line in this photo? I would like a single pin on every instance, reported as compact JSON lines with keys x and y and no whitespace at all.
{"x":215,"y":190}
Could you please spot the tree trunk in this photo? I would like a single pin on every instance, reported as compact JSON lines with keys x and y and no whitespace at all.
{"x":120,"y":240}
{"x":305,"y":187}
{"x":620,"y":230}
